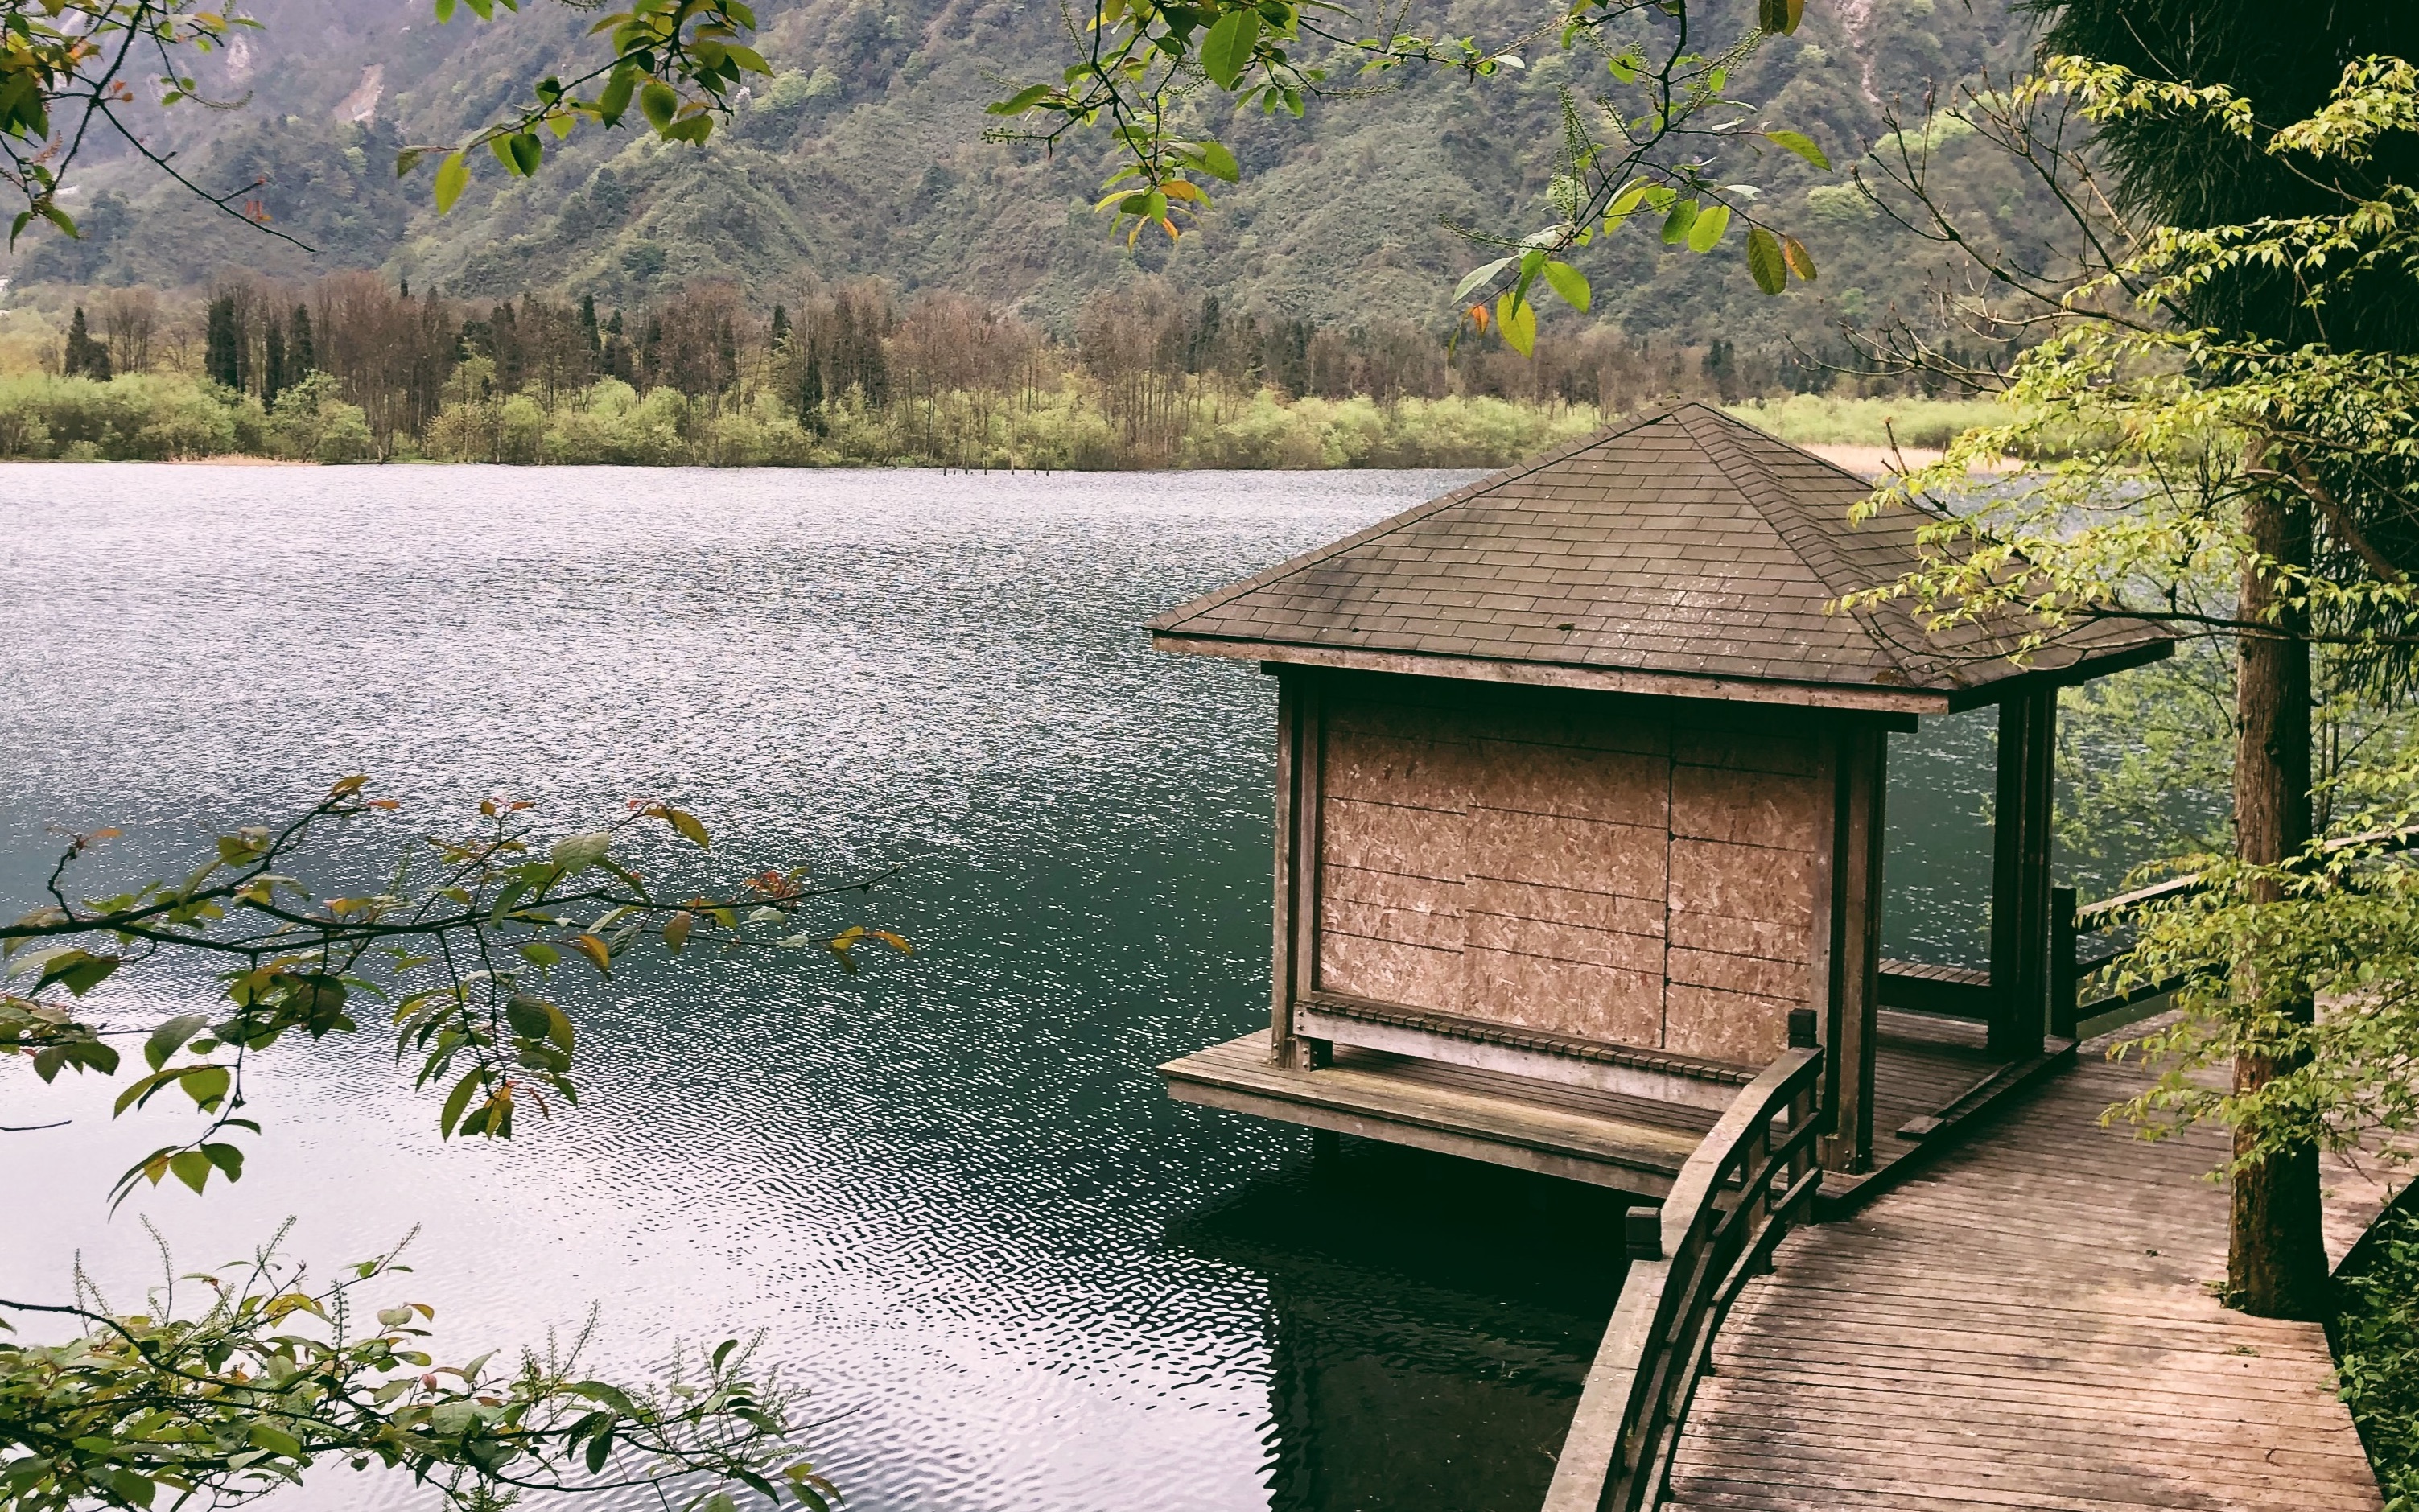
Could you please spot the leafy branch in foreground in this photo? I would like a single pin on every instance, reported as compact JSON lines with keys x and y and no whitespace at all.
{"x":70,"y":66}
{"x":1151,"y":71}
{"x":461,"y":944}
{"x":269,"y":1376}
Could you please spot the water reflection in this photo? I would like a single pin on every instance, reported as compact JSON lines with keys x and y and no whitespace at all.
{"x":1429,"y":1321}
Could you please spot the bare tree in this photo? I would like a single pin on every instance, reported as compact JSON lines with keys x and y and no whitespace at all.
{"x":130,"y":321}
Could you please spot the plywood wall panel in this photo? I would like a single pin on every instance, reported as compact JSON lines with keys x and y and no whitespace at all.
{"x":1770,"y":809}
{"x":1578,"y":855}
{"x":1564,"y":942}
{"x":1391,"y":972}
{"x":1572,"y":997}
{"x":1724,"y":1026}
{"x":1379,"y":837}
{"x":1613,"y":787}
{"x":1564,"y":905}
{"x":1759,"y":884}
{"x":1634,"y":871}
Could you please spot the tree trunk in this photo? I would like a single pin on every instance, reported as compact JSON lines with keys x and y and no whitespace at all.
{"x":2276,"y":1264}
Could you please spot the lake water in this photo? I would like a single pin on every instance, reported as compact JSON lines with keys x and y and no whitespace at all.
{"x":950,"y":1191}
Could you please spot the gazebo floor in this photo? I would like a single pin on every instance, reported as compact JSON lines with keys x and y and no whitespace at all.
{"x":1630,"y":1144}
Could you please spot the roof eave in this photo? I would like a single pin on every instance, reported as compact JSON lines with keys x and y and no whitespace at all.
{"x":1875,"y":699}
{"x":2017,"y":683}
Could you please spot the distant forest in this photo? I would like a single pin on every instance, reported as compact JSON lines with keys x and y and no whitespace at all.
{"x":355,"y":367}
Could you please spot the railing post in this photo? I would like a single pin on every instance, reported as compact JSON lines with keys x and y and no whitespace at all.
{"x":1641,"y":1233}
{"x":2064,"y":987}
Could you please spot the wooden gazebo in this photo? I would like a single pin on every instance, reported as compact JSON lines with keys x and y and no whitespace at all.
{"x":1579,"y":788}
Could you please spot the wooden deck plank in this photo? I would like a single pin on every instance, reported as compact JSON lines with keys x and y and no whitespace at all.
{"x":1579,"y":1133}
{"x":2026,"y":1326}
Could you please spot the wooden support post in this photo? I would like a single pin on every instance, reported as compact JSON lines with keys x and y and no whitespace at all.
{"x":2020,"y":912}
{"x":1297,"y":864}
{"x":1855,"y":948}
{"x":2064,"y":987}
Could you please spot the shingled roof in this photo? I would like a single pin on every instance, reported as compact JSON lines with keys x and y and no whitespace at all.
{"x":1684,"y":552}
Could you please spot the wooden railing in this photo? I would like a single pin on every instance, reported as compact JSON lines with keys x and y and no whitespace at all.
{"x":2070,"y":925}
{"x":1752,"y":1177}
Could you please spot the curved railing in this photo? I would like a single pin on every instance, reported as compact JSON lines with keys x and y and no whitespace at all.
{"x":1752,"y":1177}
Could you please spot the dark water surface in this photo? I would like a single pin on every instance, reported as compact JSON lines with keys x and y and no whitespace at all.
{"x":951,"y":1192}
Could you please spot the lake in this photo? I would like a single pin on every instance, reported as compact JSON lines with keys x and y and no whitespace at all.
{"x":950,"y":1191}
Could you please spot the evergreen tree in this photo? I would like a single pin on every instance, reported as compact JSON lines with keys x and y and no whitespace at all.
{"x":777,"y":336}
{"x":588,"y":323}
{"x":222,"y":344}
{"x":272,"y":362}
{"x":810,"y":395}
{"x":301,"y":355}
{"x":84,"y":357}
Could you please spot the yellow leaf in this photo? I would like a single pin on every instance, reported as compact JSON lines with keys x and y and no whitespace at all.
{"x":676,"y":930}
{"x":596,"y":951}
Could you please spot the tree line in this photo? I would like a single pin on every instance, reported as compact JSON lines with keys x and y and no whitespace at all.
{"x":855,"y":370}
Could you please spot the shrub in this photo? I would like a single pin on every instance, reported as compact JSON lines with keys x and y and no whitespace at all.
{"x":2377,"y":1355}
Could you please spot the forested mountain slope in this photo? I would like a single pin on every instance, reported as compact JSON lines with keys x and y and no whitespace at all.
{"x":865,"y":157}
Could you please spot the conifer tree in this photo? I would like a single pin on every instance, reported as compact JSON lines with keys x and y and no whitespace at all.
{"x":222,"y":344}
{"x":272,"y":362}
{"x":301,"y":353}
{"x":84,"y":357}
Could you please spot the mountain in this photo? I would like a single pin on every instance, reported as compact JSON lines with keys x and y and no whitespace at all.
{"x":864,"y":157}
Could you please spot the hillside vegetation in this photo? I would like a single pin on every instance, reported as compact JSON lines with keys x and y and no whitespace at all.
{"x":864,"y":158}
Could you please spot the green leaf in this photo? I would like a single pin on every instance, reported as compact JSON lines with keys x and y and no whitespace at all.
{"x":600,"y":1448}
{"x":1220,"y":163}
{"x":227,"y":1158}
{"x":444,"y":12}
{"x":207,"y":1086}
{"x":190,"y":1166}
{"x":1517,"y":323}
{"x":539,"y":953}
{"x":1677,"y":224}
{"x":1705,"y":232}
{"x":1569,"y":282}
{"x":78,"y":971}
{"x":1765,"y":262}
{"x":576,"y":852}
{"x":1019,"y":103}
{"x":1477,"y":278}
{"x":688,"y":825}
{"x":657,"y":103}
{"x":1781,"y":16}
{"x":1799,"y":143}
{"x":615,"y":101}
{"x":170,"y":1036}
{"x":609,"y":1395}
{"x":1226,"y":52}
{"x":456,"y":1099}
{"x":528,"y":1016}
{"x":452,"y":176}
{"x":527,"y":152}
{"x":274,"y":1440}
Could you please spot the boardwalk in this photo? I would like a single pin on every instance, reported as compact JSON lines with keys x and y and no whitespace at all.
{"x":2027,"y":1324}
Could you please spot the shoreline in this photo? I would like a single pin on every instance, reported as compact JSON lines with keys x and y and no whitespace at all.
{"x":1872,"y":462}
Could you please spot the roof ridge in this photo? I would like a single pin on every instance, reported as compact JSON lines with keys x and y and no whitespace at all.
{"x":1788,"y":520}
{"x":1765,"y":493}
{"x":1171,"y":619}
